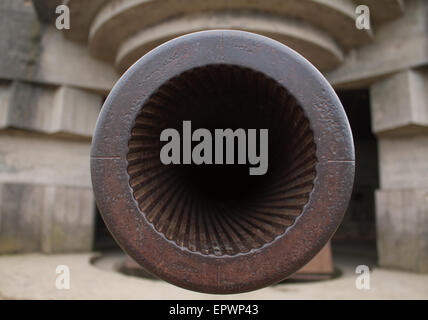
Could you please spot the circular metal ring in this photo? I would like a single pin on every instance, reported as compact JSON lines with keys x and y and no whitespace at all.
{"x":256,"y":267}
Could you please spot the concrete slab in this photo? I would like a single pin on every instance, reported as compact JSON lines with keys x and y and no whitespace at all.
{"x":32,"y":276}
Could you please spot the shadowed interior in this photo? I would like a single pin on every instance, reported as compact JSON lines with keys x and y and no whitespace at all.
{"x":221,"y":209}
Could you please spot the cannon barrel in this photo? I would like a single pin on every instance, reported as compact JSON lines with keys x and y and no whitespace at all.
{"x":213,"y":227}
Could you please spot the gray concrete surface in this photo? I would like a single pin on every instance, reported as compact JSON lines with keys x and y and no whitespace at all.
{"x":32,"y":276}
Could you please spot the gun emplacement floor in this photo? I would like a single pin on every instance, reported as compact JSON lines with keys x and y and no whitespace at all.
{"x":33,"y":276}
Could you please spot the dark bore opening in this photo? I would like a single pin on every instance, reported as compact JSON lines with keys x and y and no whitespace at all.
{"x":221,"y":209}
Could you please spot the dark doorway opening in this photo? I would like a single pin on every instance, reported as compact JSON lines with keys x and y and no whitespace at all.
{"x":358,"y":229}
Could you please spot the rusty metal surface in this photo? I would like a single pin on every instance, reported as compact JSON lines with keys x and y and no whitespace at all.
{"x":195,"y":227}
{"x":319,"y":268}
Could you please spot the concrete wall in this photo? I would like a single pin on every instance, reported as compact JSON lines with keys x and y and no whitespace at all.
{"x":51,"y":91}
{"x":399,"y":116}
{"x":46,"y":196}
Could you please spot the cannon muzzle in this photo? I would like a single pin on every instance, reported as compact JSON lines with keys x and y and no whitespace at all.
{"x":212,"y":226}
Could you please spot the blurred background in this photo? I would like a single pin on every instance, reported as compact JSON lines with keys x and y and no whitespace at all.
{"x":54,"y":80}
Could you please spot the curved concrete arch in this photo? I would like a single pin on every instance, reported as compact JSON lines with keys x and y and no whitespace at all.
{"x":118,"y":20}
{"x":315,"y":45}
{"x":82,"y":13}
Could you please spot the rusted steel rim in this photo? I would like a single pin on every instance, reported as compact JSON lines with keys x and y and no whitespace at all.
{"x":255,"y":248}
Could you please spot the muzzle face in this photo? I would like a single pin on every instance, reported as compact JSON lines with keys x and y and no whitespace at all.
{"x":215,"y":228}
